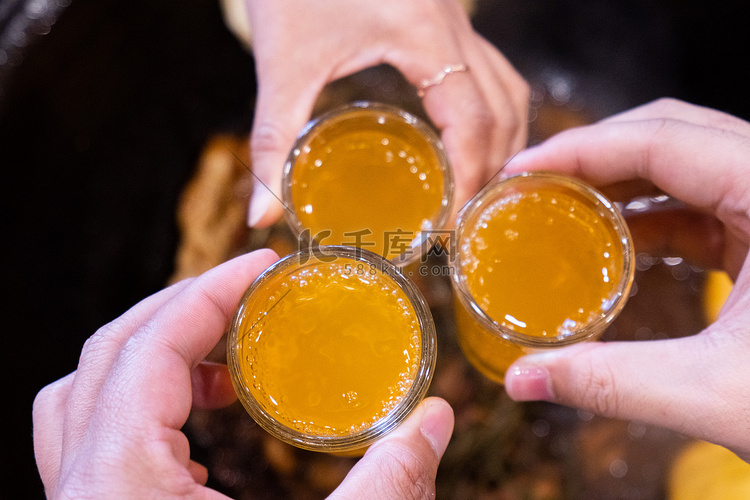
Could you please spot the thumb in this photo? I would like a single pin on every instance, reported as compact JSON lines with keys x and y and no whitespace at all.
{"x":683,"y":384}
{"x":404,"y":463}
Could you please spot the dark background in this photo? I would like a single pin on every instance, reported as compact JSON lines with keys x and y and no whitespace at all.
{"x":102,"y":120}
{"x":101,"y":124}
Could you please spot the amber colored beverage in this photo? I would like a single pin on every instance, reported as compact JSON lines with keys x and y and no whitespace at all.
{"x":371,"y":176}
{"x":332,"y":348}
{"x":543,"y":261}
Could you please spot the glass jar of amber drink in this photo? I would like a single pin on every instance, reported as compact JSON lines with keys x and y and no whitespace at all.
{"x":368,"y":175}
{"x":542,"y":261}
{"x":331,"y":348}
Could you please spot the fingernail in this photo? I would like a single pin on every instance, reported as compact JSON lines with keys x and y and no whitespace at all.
{"x":259,"y":202}
{"x":528,"y":383}
{"x":436,"y":425}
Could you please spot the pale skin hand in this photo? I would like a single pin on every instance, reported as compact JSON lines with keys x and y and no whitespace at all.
{"x":112,"y":428}
{"x":301,"y":45}
{"x":695,"y":385}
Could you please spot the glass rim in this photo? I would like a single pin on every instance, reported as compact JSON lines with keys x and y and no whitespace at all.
{"x":419,"y":244}
{"x":620,"y":292}
{"x":415,"y":394}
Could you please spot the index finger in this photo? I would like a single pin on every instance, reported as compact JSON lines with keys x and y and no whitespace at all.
{"x":151,"y":380}
{"x":684,"y":111}
{"x":700,"y":165}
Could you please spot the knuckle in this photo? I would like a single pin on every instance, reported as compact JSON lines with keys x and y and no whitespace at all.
{"x":481,"y":123}
{"x":666,"y":105}
{"x":267,"y":137}
{"x":481,"y":115}
{"x":99,"y":343}
{"x":659,"y":131}
{"x":410,"y":477}
{"x":43,"y":397}
{"x":598,"y":388}
{"x":660,"y":128}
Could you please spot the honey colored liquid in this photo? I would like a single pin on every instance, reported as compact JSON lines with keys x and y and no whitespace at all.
{"x":330,"y":348}
{"x":489,"y":354}
{"x":542,"y":262}
{"x":373,"y":185}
